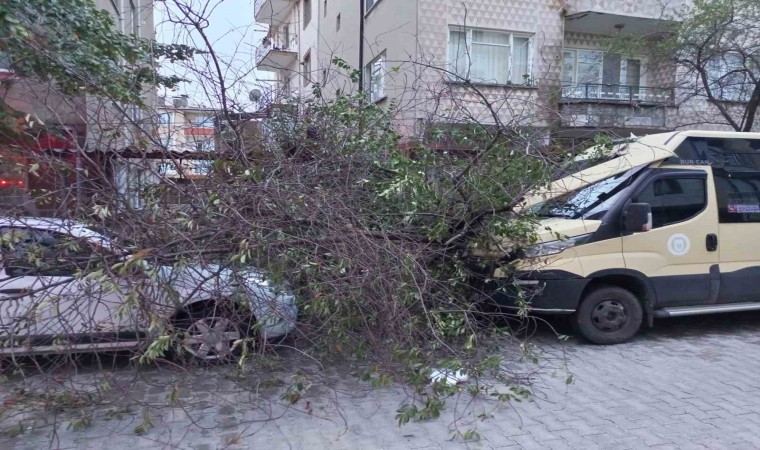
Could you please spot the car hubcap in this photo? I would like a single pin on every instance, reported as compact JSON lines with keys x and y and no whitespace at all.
{"x":609,"y":316}
{"x":211,"y":338}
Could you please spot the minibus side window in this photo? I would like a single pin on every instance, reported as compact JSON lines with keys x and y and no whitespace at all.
{"x":674,"y":199}
{"x":738,"y":196}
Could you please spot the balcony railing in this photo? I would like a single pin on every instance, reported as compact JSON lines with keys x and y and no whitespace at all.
{"x":618,"y":93}
{"x":284,"y":42}
{"x":257,"y":5}
{"x":272,"y":11}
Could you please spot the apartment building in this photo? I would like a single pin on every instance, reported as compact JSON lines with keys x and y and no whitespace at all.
{"x":538,"y":63}
{"x":189,"y":135}
{"x":84,"y":133}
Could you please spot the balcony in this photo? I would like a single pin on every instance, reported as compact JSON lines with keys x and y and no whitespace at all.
{"x":616,"y":93}
{"x":278,"y":51}
{"x":641,"y":17}
{"x":616,"y":106}
{"x":272,"y":12}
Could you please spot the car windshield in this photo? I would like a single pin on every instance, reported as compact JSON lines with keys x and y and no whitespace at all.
{"x":591,"y":202}
{"x":107,"y":237}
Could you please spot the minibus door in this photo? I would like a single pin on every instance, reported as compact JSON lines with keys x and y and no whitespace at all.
{"x":677,"y":254}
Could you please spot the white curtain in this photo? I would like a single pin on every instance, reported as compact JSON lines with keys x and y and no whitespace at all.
{"x":457,"y":61}
{"x":520,"y":71}
{"x":490,"y":56}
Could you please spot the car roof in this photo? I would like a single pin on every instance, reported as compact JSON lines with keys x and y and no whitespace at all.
{"x":72,"y":227}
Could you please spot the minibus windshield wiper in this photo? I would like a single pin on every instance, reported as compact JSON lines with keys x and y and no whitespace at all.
{"x":549,"y":214}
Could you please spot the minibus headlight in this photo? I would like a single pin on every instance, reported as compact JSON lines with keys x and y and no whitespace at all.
{"x":554,"y":247}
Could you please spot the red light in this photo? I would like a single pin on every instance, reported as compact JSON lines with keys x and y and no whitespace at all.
{"x":11,"y":183}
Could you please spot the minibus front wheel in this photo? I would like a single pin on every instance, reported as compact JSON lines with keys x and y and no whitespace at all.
{"x":609,"y":315}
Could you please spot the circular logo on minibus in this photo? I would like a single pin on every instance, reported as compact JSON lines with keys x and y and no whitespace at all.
{"x":679,"y":244}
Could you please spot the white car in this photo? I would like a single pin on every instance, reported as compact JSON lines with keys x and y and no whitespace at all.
{"x":65,"y":288}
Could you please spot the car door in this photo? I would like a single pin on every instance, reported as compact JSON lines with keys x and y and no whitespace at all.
{"x":48,"y":289}
{"x":678,"y":254}
{"x":27,"y":291}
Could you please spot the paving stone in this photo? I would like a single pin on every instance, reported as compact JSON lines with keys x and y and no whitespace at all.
{"x":687,"y":384}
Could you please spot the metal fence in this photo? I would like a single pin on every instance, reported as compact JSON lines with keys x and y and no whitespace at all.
{"x":620,"y":92}
{"x":276,"y":41}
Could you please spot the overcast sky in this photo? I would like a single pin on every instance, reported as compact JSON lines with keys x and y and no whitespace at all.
{"x":233,"y":36}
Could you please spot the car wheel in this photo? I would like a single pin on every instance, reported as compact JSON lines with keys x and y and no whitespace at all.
{"x":609,"y":315}
{"x":213,"y":334}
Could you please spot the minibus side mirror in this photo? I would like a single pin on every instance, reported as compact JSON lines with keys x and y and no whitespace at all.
{"x":637,"y":217}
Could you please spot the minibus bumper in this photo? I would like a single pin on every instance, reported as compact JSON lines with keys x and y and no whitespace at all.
{"x":554,"y":292}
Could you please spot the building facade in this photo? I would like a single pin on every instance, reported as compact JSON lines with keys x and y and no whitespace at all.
{"x":535,"y":63}
{"x":188,"y":133}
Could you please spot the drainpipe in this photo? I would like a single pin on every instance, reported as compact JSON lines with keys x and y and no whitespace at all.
{"x":362,"y":4}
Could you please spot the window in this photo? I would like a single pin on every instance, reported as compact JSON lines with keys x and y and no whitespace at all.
{"x":738,"y":196}
{"x":287,"y":86}
{"x":135,"y":17}
{"x":40,"y":252}
{"x":489,"y":56}
{"x":369,"y":4}
{"x":204,"y":146}
{"x":736,"y":169}
{"x":5,"y":62}
{"x":337,"y":23}
{"x":374,"y":74}
{"x":118,"y":15}
{"x":591,"y":202}
{"x":286,"y":44}
{"x":674,"y":199}
{"x":131,"y":18}
{"x":306,"y":12}
{"x":134,"y":112}
{"x":203,"y":121}
{"x":732,"y":154}
{"x":596,"y":74}
{"x":165,"y":118}
{"x":307,"y":68}
{"x":728,"y":79}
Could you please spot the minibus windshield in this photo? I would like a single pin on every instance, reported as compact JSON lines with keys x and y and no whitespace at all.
{"x":590,"y":202}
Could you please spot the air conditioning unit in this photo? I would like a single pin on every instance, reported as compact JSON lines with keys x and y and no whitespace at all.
{"x":180,"y":102}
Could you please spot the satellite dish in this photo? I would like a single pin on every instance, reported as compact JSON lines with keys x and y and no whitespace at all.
{"x":254,"y":95}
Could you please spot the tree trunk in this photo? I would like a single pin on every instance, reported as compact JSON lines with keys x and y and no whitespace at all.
{"x":752,"y":106}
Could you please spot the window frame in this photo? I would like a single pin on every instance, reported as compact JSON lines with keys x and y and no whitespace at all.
{"x":307,"y":6}
{"x":717,"y":75}
{"x":205,"y":145}
{"x":623,"y":67}
{"x":169,"y":118}
{"x":679,"y":174}
{"x":5,"y":62}
{"x":369,"y":5}
{"x":306,"y":68}
{"x":369,"y":71}
{"x":208,"y":121}
{"x":468,"y":31}
{"x":134,"y":18}
{"x":58,"y":239}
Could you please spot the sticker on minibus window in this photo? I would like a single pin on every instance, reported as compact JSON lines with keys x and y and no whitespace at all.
{"x":743,"y":209}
